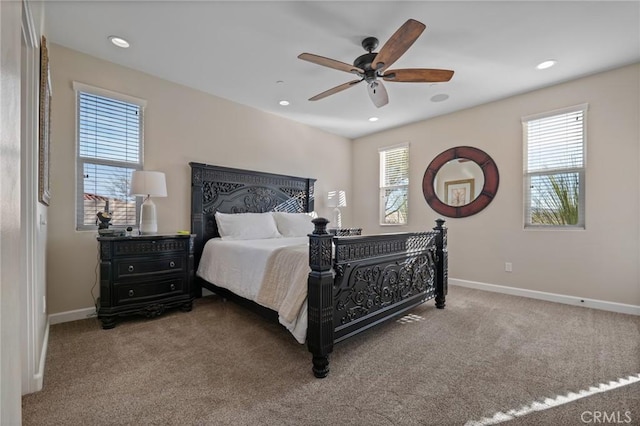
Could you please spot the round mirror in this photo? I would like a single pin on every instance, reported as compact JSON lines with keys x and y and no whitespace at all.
{"x":460,"y":181}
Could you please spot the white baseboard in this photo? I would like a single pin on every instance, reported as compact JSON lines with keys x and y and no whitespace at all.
{"x":78,"y":314}
{"x":550,"y":297}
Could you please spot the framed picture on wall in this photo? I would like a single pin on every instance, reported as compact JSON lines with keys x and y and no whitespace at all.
{"x":44,"y":130}
{"x":459,"y":192}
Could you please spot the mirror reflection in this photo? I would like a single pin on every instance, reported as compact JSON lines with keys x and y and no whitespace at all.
{"x":458,"y":182}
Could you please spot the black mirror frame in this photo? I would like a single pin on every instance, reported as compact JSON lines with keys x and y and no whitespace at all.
{"x":489,"y":189}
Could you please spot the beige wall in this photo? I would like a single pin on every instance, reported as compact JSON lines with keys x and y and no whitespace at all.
{"x":181,"y":125}
{"x":600,"y":262}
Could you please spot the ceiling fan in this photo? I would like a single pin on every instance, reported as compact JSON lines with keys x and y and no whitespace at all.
{"x":372,"y":66}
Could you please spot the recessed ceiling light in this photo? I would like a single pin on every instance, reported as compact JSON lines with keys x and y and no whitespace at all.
{"x":373,"y":119}
{"x":546,"y":64}
{"x":283,"y":102}
{"x":119,"y":41}
{"x":439,"y":97}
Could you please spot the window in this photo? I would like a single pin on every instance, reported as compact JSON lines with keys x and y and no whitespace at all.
{"x":109,"y":148}
{"x":555,"y":168}
{"x":394,"y":185}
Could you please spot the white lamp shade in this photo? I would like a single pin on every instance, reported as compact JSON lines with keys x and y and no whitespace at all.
{"x":336,"y":198}
{"x":148,"y":183}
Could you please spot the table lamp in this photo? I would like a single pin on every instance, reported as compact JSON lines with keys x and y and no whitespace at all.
{"x":148,"y":184}
{"x":337,"y":199}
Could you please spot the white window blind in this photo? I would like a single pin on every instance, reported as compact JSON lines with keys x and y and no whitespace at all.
{"x":394,"y":185}
{"x":109,"y":149}
{"x":554,"y":168}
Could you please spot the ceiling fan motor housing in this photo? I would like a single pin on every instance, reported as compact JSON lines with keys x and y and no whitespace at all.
{"x":364,"y":61}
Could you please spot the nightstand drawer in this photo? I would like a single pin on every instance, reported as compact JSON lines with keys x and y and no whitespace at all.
{"x":146,"y":246}
{"x":125,"y":268}
{"x":145,"y":291}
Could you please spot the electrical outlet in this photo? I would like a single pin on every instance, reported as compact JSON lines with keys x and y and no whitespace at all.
{"x":508,"y":267}
{"x":44,"y":304}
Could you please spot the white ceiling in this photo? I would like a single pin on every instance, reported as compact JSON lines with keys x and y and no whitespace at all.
{"x":239,"y":50}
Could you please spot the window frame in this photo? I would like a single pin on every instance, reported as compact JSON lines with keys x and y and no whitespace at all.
{"x":81,"y":161}
{"x":580,"y":171}
{"x":383,"y":187}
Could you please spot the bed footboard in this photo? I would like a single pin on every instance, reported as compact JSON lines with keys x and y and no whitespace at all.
{"x":368,"y":280}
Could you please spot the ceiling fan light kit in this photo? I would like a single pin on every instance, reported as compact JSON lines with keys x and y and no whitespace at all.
{"x":371,"y":66}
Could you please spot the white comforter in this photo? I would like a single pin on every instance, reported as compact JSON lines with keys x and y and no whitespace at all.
{"x":239,"y":265}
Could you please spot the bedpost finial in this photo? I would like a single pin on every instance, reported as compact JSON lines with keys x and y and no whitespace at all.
{"x":439,"y":223}
{"x":320,"y":226}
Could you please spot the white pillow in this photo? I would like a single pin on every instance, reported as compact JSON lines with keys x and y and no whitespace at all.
{"x":294,"y":224}
{"x":246,"y":226}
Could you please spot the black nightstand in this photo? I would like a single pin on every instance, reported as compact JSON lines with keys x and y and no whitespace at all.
{"x":144,"y":275}
{"x":345,"y":232}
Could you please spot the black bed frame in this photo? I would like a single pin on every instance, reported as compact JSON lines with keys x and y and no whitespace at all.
{"x":368,"y":280}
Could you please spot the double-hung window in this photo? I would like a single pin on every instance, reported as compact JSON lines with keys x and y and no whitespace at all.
{"x":109,"y":148}
{"x":554,"y":168}
{"x":394,"y":185}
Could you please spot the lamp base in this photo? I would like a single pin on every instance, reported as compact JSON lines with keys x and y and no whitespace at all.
{"x":148,"y":220}
{"x":337,"y":218}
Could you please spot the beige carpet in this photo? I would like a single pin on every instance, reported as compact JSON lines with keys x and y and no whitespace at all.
{"x":223,"y":365}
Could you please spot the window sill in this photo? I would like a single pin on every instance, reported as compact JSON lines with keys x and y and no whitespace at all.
{"x":554,"y":228}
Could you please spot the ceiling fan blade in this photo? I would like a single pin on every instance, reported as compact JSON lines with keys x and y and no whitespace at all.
{"x":331,"y":63}
{"x":418,"y":75}
{"x":399,"y":42}
{"x":335,"y":90}
{"x":378,"y":94}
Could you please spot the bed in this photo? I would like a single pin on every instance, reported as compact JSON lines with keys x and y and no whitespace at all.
{"x":352,"y":282}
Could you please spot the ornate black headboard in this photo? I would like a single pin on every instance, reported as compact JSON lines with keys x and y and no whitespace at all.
{"x":228,"y":190}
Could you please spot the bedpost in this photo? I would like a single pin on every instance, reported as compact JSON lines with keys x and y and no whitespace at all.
{"x":441,"y":264}
{"x":197,"y":219}
{"x":310,"y":197}
{"x":320,"y":298}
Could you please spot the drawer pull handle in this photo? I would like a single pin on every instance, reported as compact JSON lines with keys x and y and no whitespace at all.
{"x":131,"y":268}
{"x":172,"y":264}
{"x":131,"y":293}
{"x":173,"y":287}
